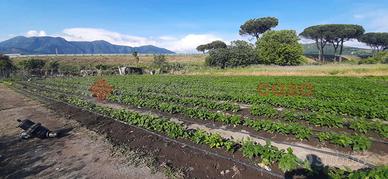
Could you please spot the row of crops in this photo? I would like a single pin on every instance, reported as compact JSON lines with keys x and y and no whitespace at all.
{"x":150,"y":92}
{"x":355,"y":107}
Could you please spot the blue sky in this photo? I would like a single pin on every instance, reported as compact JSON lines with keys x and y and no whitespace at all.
{"x":177,"y":24}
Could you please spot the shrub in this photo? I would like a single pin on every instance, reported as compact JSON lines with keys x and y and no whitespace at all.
{"x":379,"y":57}
{"x":172,"y":67}
{"x":69,"y":69}
{"x":211,"y":46}
{"x":242,"y":54}
{"x":159,"y":60}
{"x":101,"y":66}
{"x":280,"y":48}
{"x":6,"y":66}
{"x":52,"y":67}
{"x":239,"y":53}
{"x":32,"y":64}
{"x":218,"y":57}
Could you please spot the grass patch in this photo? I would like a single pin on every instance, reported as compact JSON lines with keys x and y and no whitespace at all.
{"x":304,"y":70}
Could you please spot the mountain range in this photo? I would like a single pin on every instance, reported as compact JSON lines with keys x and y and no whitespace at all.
{"x":57,"y":45}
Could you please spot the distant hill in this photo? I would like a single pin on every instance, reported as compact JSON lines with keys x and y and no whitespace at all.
{"x":311,"y":49}
{"x":53,"y":45}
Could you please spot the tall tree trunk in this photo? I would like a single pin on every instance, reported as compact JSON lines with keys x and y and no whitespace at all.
{"x":319,"y":49}
{"x":335,"y":52}
{"x":335,"y":44}
{"x":322,"y":46}
{"x":340,"y":52}
{"x":257,"y":37}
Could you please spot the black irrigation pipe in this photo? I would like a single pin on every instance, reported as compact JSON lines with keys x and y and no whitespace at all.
{"x":342,"y":155}
{"x":156,"y":134}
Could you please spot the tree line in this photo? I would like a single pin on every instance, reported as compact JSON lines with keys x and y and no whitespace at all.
{"x":52,"y":67}
{"x":337,"y":34}
{"x":281,"y":47}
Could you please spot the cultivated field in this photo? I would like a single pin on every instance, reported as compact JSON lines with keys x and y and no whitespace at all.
{"x":245,"y":124}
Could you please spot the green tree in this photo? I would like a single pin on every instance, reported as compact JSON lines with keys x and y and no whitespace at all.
{"x":378,"y":41}
{"x":218,"y":57}
{"x":318,"y":33}
{"x":239,"y":53}
{"x":280,"y":48}
{"x":202,"y":48}
{"x":242,"y":53}
{"x":216,"y":44}
{"x":211,"y":46}
{"x":6,"y":66}
{"x":337,"y":34}
{"x":255,"y":27}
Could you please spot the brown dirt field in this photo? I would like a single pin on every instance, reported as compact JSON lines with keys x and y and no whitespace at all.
{"x":81,"y":154}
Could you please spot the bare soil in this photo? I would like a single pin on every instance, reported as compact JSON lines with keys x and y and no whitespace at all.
{"x":80,"y":154}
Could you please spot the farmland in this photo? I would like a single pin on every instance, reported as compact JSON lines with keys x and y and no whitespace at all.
{"x":343,"y":122}
{"x":194,"y":65}
{"x":194,"y":89}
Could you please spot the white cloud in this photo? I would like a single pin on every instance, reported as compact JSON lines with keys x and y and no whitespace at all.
{"x":356,"y":43}
{"x":375,"y":20}
{"x":91,"y":34}
{"x":188,"y":43}
{"x":359,"y":16}
{"x":184,"y":44}
{"x":303,"y":40}
{"x":33,"y":33}
{"x":167,"y":38}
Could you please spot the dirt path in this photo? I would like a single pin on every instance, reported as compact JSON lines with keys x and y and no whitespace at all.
{"x":81,"y":154}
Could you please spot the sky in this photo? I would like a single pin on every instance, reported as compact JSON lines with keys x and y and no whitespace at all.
{"x":178,"y":25}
